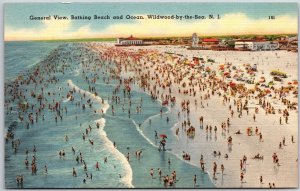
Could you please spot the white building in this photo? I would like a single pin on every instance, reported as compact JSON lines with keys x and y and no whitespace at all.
{"x":256,"y":45}
{"x":129,"y":41}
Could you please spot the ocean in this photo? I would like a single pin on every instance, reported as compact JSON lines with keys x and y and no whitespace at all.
{"x":64,"y":67}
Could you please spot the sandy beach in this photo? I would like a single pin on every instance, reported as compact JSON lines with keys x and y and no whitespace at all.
{"x":215,"y":111}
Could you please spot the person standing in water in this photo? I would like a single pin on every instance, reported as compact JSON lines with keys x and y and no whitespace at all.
{"x":74,"y":172}
{"x":202,"y":163}
{"x":159,"y":172}
{"x":97,"y":166}
{"x":46,"y":169}
{"x":151,"y":173}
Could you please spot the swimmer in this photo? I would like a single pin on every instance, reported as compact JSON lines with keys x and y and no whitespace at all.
{"x":151,"y":173}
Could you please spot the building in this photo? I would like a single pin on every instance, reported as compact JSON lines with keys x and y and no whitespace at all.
{"x":130,"y":41}
{"x":293,"y":44}
{"x":208,"y":43}
{"x":283,"y":44}
{"x":255,"y":45}
{"x":195,"y":40}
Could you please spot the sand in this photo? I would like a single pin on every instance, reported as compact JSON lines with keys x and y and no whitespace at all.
{"x":285,"y":175}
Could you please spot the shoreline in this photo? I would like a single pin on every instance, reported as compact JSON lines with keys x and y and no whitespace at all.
{"x":157,"y":77}
{"x":169,"y":111}
{"x":127,"y":179}
{"x":237,"y":175}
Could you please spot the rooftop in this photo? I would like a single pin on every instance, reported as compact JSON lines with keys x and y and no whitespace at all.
{"x":210,"y":40}
{"x":250,"y":40}
{"x":130,"y":38}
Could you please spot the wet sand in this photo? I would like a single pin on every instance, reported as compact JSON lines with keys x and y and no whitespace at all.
{"x":285,"y":175}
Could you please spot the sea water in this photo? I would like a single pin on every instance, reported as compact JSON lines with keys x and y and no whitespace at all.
{"x":21,"y":56}
{"x":129,"y":134}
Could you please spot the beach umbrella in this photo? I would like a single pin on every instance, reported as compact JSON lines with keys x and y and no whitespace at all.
{"x":226,"y":73}
{"x":231,"y":84}
{"x":163,"y":136}
{"x":268,"y":91}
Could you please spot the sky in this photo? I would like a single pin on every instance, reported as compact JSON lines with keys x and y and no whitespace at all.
{"x":236,"y":19}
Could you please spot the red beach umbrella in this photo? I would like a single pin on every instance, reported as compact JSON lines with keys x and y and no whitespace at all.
{"x":232,"y":84}
{"x":163,"y":136}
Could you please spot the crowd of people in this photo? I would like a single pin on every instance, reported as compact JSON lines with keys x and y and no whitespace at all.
{"x":176,"y":84}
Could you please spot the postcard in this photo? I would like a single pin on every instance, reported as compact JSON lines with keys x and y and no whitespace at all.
{"x":151,"y":95}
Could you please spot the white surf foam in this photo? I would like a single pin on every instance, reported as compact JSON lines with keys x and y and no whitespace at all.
{"x":127,"y":178}
{"x":104,"y":107}
{"x":67,"y":100}
{"x":142,"y":133}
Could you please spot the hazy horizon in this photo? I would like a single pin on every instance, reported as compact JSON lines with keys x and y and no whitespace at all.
{"x":235,"y":19}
